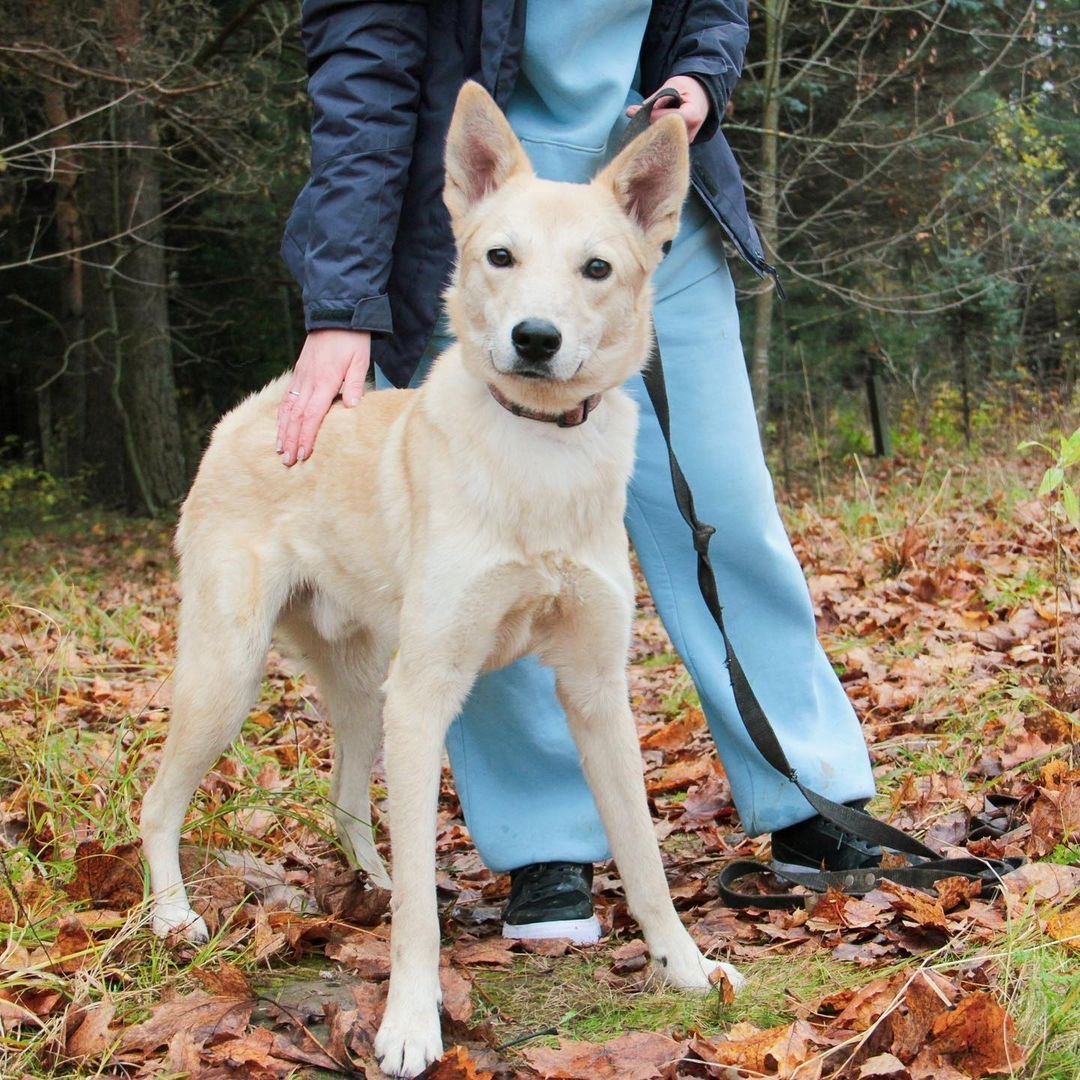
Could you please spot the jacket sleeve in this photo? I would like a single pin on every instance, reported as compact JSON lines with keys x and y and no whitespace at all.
{"x":365,"y":63}
{"x":712,"y":46}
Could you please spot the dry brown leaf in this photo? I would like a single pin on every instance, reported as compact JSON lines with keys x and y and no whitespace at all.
{"x":721,"y":982}
{"x":349,"y":895}
{"x":493,"y":951}
{"x":456,"y":993}
{"x":111,"y":878}
{"x":73,"y":948}
{"x":1064,"y":926}
{"x":1048,"y":883}
{"x":955,"y":891}
{"x":226,"y":980}
{"x":776,"y":1050}
{"x":884,"y":1067}
{"x":1054,"y":819}
{"x":456,"y":1064}
{"x":680,"y":775}
{"x":370,"y":998}
{"x":915,"y":905}
{"x":675,"y":734}
{"x":978,"y":1037}
{"x":640,"y":1055}
{"x":201,"y":1015}
{"x":633,"y":956}
{"x":41,"y":1001}
{"x":87,"y":1031}
{"x":270,"y":1051}
{"x":369,"y":957}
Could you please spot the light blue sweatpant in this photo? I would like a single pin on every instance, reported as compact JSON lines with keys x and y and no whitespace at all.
{"x":515,"y":764}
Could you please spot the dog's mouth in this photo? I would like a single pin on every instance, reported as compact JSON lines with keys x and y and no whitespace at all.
{"x":542,"y":372}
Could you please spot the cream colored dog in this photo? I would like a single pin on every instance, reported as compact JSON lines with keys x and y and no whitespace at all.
{"x":453,"y":525}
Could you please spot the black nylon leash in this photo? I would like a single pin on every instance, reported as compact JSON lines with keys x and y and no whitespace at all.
{"x":929,"y":866}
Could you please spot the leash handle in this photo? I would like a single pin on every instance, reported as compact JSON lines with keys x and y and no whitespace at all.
{"x":643,"y":117}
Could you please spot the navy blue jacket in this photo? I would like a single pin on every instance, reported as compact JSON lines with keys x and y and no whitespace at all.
{"x":369,"y":238}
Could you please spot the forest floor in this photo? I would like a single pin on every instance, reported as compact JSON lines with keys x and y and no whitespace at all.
{"x":948,"y":602}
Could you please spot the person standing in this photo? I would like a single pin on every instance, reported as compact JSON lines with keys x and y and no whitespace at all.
{"x":369,"y":242}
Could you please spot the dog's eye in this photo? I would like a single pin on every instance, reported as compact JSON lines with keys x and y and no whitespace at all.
{"x":597,"y":269}
{"x":500,"y":257}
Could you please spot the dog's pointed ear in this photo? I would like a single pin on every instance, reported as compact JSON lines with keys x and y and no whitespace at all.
{"x":482,"y":152}
{"x":650,"y":177}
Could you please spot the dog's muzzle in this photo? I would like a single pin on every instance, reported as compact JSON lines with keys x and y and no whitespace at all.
{"x":536,"y":341}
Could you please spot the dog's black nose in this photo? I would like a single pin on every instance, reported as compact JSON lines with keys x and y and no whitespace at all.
{"x":536,"y":339}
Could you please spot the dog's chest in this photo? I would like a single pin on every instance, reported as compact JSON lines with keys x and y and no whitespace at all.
{"x":551,"y":592}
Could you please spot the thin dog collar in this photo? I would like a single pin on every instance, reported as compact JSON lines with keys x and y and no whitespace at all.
{"x":574,"y":417}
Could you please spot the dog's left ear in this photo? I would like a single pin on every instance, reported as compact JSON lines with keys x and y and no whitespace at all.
{"x":482,"y":151}
{"x":650,"y":177}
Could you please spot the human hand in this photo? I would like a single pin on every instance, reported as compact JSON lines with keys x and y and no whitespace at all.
{"x":694,"y":106}
{"x":330,"y":362}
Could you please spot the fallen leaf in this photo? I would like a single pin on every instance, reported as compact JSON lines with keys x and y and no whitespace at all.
{"x":225,"y":980}
{"x":368,"y":956}
{"x":456,"y":1064}
{"x":639,"y":1055}
{"x":1043,"y":882}
{"x":776,"y":1050}
{"x":201,"y":1015}
{"x":349,"y":895}
{"x":456,"y":993}
{"x":1065,"y":927}
{"x":955,"y":891}
{"x":73,"y":948}
{"x":918,"y":906}
{"x":633,"y":956}
{"x":87,"y":1033}
{"x":493,"y":951}
{"x":979,"y":1037}
{"x":884,"y":1067}
{"x":110,"y":878}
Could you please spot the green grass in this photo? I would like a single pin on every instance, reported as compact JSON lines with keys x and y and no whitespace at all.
{"x":1038,"y":980}
{"x":83,"y":775}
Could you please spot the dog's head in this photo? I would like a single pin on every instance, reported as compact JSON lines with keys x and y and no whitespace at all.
{"x":551,"y":295}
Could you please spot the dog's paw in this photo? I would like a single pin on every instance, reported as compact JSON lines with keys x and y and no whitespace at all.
{"x":179,"y":920}
{"x":690,"y":970}
{"x":408,"y":1044}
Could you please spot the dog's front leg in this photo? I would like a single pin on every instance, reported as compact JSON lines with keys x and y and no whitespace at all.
{"x":421,"y":701}
{"x":589,"y":661}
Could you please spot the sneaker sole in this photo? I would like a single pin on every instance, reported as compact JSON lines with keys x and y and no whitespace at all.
{"x":578,"y":931}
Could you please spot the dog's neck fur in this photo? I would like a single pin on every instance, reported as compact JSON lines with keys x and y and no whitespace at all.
{"x":583,"y":469}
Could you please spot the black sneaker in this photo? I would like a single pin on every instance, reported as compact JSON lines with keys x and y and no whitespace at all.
{"x":821,"y":845}
{"x":551,"y":900}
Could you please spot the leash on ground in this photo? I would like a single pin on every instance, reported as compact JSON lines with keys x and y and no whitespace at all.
{"x":927,"y":866}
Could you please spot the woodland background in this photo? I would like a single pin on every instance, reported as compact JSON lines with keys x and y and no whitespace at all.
{"x":912,"y":166}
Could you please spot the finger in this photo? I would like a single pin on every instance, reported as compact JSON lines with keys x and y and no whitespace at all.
{"x":352,"y":388}
{"x":633,"y":110}
{"x":285,"y":408}
{"x":315,"y":410}
{"x":290,"y":443}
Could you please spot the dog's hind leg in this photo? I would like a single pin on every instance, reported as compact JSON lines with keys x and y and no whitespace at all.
{"x":220,"y":658}
{"x":349,"y":674}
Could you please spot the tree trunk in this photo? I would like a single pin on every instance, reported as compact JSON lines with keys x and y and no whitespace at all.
{"x":144,"y":388}
{"x":775,"y":17}
{"x":61,"y":391}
